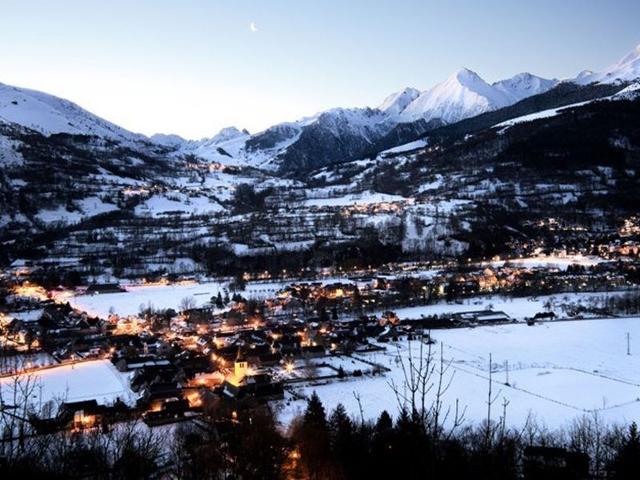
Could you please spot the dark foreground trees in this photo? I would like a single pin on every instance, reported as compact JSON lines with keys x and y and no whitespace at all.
{"x":245,"y":442}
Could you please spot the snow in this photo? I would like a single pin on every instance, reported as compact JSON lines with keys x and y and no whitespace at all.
{"x":177,"y":202}
{"x":159,"y":296}
{"x":88,"y":207}
{"x":561,"y":262}
{"x":9,"y":154}
{"x":407,"y":147}
{"x":558,"y":371}
{"x":628,"y":93}
{"x":59,"y":214}
{"x":552,"y":112}
{"x":626,"y":70}
{"x":517,"y":308}
{"x":363,"y":198}
{"x":48,"y":115}
{"x":395,"y":103}
{"x":97,"y":379}
{"x":95,"y":206}
{"x":524,"y":85}
{"x":464,"y":94}
{"x":28,"y":315}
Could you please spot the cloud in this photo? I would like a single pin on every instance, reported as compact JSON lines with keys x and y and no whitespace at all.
{"x":253,"y":27}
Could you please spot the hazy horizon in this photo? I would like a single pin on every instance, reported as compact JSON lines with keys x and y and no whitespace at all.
{"x":194,"y":68}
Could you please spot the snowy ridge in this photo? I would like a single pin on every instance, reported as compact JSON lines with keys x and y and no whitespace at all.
{"x":626,"y":70}
{"x":397,"y":102}
{"x":465,"y":94}
{"x":48,"y":114}
{"x":523,"y":85}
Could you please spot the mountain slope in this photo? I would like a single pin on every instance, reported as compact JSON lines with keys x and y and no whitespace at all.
{"x":48,"y":115}
{"x":397,"y":102}
{"x":465,"y":94}
{"x":523,"y":85}
{"x":626,"y":70}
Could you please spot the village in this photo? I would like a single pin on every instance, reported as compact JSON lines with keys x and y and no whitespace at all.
{"x":254,"y":338}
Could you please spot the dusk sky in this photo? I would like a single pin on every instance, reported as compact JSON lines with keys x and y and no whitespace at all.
{"x":193,"y":67}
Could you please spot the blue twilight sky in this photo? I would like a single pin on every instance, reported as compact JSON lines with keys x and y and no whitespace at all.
{"x":193,"y":66}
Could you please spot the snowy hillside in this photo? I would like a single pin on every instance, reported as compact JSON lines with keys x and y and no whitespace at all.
{"x":626,"y":70}
{"x":326,"y":138}
{"x":48,"y":114}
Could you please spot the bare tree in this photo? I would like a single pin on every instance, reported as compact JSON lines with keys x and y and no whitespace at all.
{"x":187,"y":303}
{"x":426,"y":381}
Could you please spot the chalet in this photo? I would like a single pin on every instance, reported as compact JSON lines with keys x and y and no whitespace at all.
{"x":482,"y":316}
{"x":192,"y":363}
{"x":153,"y":374}
{"x":259,"y":387}
{"x":166,"y":411}
{"x":81,"y":415}
{"x":159,"y":392}
{"x":127,"y":364}
{"x":89,"y":414}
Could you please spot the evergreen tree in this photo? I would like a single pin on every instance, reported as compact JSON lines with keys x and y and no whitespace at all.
{"x":313,"y":440}
{"x":626,"y":464}
{"x":219,"y":301}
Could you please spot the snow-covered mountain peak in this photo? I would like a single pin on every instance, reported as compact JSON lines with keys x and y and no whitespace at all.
{"x":228,"y":133}
{"x":464,"y":94}
{"x":395,"y":103}
{"x":524,"y":85}
{"x":466,"y":77}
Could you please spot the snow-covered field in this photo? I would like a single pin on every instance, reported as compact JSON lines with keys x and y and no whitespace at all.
{"x":557,"y":372}
{"x":159,"y":296}
{"x":98,"y":380}
{"x":517,"y":308}
{"x":363,"y":198}
{"x":560,"y":262}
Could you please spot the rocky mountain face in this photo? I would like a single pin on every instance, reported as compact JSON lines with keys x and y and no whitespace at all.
{"x":339,"y":135}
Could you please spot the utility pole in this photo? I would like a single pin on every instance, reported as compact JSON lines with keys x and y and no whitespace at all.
{"x":506,"y":367}
{"x":628,"y":343}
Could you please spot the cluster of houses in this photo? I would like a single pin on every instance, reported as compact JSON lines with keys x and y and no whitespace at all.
{"x":178,"y":361}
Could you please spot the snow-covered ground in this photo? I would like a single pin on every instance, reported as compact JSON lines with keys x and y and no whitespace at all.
{"x":518,"y":308}
{"x":560,"y":262}
{"x":407,"y":147}
{"x":557,"y":372}
{"x":98,"y":380}
{"x":552,"y":112}
{"x":363,"y":198}
{"x":159,"y":296}
{"x":178,"y":203}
